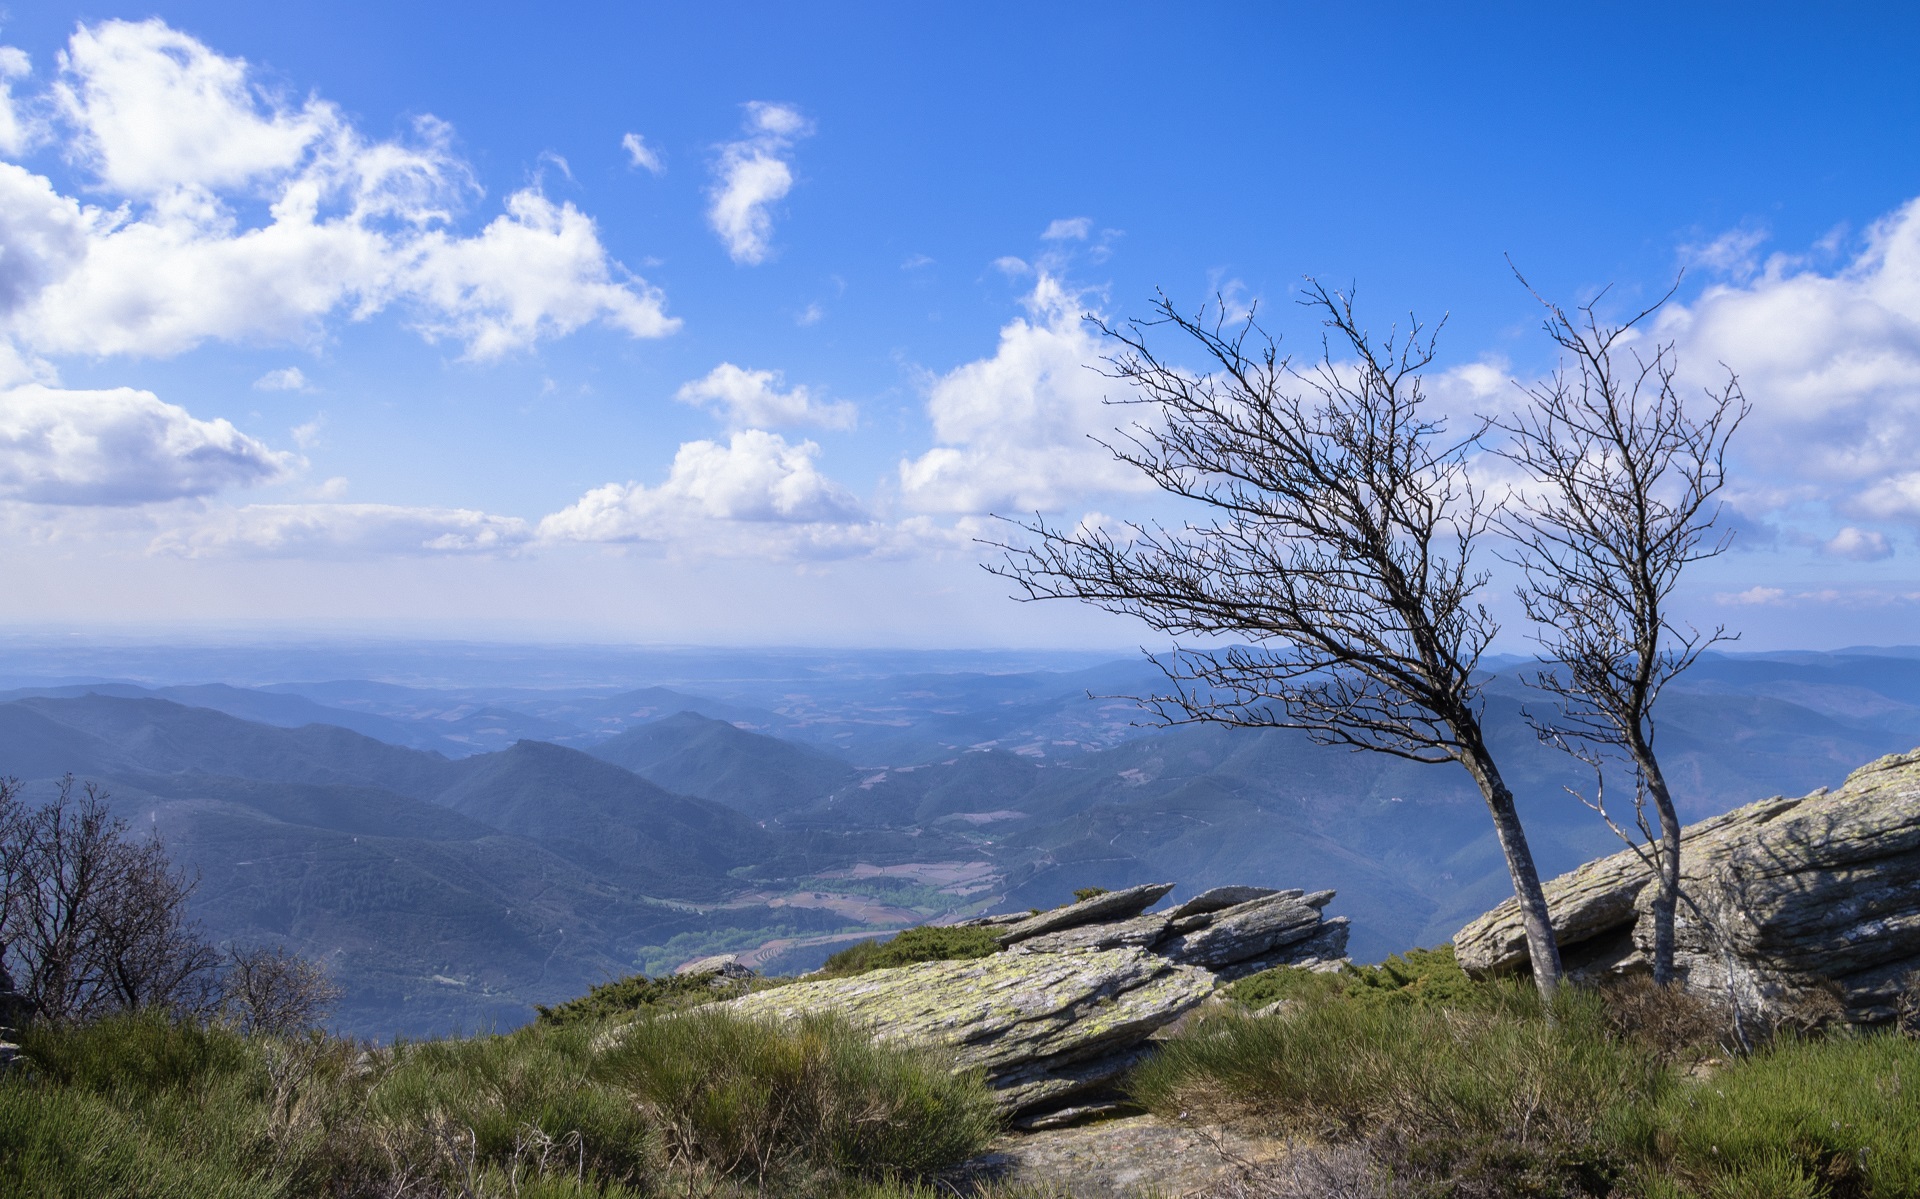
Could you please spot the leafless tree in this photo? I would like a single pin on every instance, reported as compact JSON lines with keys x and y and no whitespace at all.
{"x":95,"y":920}
{"x":1623,"y":472}
{"x":275,"y":991}
{"x":1335,"y":531}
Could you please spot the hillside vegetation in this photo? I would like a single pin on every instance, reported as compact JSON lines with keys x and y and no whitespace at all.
{"x":1409,"y":1080}
{"x":698,"y":1104}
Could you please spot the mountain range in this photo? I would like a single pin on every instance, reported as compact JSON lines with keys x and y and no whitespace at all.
{"x":456,"y":854}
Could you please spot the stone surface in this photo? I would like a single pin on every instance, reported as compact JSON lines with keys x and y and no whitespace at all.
{"x":720,"y":963}
{"x":1043,"y":1026}
{"x":1225,"y":897}
{"x":1141,"y":931}
{"x":1326,"y":949}
{"x":1248,"y":930}
{"x":1128,"y":1158}
{"x":1791,"y":894}
{"x":1114,"y":905}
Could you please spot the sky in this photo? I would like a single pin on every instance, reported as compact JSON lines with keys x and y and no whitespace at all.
{"x":740,"y":324}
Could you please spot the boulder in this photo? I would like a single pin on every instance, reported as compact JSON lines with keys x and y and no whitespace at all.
{"x":1114,"y":905}
{"x":1326,"y":949}
{"x":1223,"y":897}
{"x":1793,"y":896}
{"x":1140,"y":931}
{"x":1249,"y":930}
{"x":1043,"y":1026}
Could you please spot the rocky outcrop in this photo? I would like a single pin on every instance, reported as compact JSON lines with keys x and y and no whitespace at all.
{"x":1790,"y":898}
{"x":1071,"y":1001}
{"x":1044,"y":1026}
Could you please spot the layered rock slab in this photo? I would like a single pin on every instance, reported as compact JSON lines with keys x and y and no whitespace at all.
{"x":1043,"y":1026}
{"x":1788,"y":896}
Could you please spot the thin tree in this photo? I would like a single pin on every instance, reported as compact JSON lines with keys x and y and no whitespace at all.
{"x":94,"y":921}
{"x":1335,"y":530}
{"x":1623,"y":472}
{"x":276,"y":992}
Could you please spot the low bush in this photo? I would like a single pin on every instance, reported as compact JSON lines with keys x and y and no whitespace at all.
{"x":145,"y":1105}
{"x":747,"y":1099}
{"x":1838,"y":1117}
{"x":639,"y":993}
{"x":1416,"y":1082}
{"x":1461,"y":1093}
{"x":1419,"y":976}
{"x":927,"y":943}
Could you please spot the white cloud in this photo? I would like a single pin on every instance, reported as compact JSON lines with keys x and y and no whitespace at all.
{"x":752,"y":175}
{"x":287,"y":378}
{"x":756,"y":477}
{"x":1014,"y":431}
{"x":539,"y":271}
{"x":327,"y":530}
{"x":810,"y":316}
{"x":753,"y":399}
{"x":1754,"y":597}
{"x":1068,"y":229}
{"x":183,"y":143}
{"x":914,"y":262}
{"x":15,"y":130}
{"x":307,"y":435}
{"x":1861,"y":545}
{"x":121,"y":447}
{"x":1831,"y":363}
{"x":1734,"y":253}
{"x":642,"y":155}
{"x":155,"y":110}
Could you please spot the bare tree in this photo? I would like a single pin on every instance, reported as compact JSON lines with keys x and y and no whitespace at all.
{"x":1335,"y":531}
{"x":94,"y":920}
{"x":275,"y":991}
{"x":1623,"y":475}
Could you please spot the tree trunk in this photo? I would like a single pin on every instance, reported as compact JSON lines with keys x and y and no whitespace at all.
{"x":1543,"y":949}
{"x":1666,"y":897}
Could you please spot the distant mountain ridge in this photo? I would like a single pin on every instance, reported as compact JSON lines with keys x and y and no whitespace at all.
{"x":453,"y":888}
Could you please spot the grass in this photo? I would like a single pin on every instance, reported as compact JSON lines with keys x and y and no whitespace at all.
{"x":927,"y":943}
{"x":1454,"y":1087}
{"x":701,"y":1102}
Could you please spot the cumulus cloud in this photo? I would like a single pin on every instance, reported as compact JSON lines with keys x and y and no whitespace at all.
{"x":15,"y":129}
{"x":326,"y":530}
{"x":184,"y":144}
{"x":756,"y":477}
{"x":751,"y":176}
{"x":1861,"y":545}
{"x":287,"y":378}
{"x":641,"y":155}
{"x":1014,"y":431}
{"x":1831,"y":363}
{"x":121,"y":447}
{"x":1068,"y":229}
{"x":754,"y":399}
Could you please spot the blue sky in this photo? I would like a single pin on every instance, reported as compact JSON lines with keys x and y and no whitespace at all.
{"x":696,"y":324}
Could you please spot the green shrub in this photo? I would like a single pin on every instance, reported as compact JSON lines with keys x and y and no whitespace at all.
{"x":1082,"y":894}
{"x":639,"y":993}
{"x":1419,"y":976}
{"x":744,"y":1098}
{"x":927,"y":943}
{"x":1838,"y":1117}
{"x":1487,"y":1090}
{"x":145,"y":1106}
